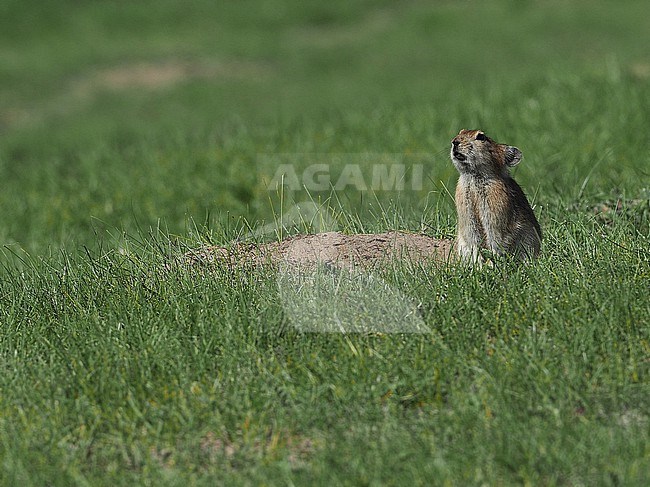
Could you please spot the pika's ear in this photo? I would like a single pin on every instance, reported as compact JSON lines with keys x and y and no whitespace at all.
{"x":512,"y":156}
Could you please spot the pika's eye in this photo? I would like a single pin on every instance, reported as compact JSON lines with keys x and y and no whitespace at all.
{"x":481,"y":136}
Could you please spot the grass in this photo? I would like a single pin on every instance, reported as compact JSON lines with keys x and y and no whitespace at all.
{"x":129,"y":135}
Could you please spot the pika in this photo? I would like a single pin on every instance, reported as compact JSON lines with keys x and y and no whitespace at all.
{"x":493,"y":212}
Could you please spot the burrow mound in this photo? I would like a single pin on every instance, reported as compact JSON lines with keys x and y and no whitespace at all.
{"x":335,"y":248}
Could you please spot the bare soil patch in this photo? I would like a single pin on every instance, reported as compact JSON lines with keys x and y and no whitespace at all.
{"x":158,"y":75}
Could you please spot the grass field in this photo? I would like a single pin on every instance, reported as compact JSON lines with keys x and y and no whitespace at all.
{"x":131,"y":132}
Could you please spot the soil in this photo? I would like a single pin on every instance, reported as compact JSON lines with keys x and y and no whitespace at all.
{"x":331,"y":248}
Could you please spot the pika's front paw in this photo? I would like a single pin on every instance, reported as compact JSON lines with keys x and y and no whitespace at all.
{"x":468,"y":253}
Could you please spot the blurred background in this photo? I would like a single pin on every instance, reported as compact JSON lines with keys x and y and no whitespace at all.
{"x":117,"y":116}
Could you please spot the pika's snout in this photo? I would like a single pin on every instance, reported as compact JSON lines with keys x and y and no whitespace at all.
{"x":457,"y":154}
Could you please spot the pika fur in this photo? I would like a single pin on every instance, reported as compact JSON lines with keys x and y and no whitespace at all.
{"x":493,"y":212}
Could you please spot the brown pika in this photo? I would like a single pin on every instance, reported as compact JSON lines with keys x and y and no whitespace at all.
{"x":493,"y":212}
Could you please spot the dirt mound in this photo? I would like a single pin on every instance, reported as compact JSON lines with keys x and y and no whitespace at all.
{"x":331,"y":248}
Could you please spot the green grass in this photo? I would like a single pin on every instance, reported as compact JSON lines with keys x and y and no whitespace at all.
{"x":117,"y":370}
